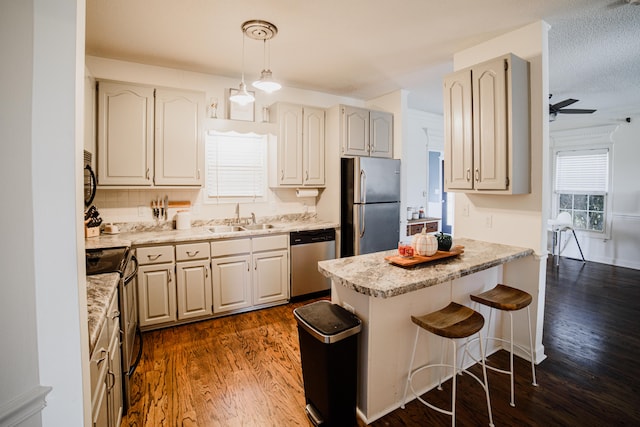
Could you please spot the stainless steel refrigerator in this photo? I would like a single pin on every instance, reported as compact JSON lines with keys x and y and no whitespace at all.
{"x":370,"y":199}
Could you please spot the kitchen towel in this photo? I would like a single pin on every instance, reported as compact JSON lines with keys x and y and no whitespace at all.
{"x":306,"y":192}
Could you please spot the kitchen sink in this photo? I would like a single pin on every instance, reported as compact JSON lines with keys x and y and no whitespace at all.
{"x":225,"y":228}
{"x":257,"y":226}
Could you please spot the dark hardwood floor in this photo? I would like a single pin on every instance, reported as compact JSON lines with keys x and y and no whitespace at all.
{"x":244,"y":370}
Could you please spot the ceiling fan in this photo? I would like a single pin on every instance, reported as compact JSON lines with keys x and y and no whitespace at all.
{"x":559,"y":108}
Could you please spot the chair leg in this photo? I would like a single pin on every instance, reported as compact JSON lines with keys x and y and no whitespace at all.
{"x":484,"y":374}
{"x":512,"y":403}
{"x":577,"y":243}
{"x":413,"y":355}
{"x":453,"y":386}
{"x":533,"y":368}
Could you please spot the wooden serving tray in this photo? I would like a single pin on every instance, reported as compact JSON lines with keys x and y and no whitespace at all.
{"x":417,"y":259}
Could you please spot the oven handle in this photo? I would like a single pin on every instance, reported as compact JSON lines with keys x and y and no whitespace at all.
{"x":138,"y":357}
{"x":135,"y":270}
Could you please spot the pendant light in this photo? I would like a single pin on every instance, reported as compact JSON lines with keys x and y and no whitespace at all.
{"x":242,"y":97}
{"x":265,"y":31}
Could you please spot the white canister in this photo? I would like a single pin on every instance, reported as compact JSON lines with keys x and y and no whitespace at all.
{"x":183,"y":220}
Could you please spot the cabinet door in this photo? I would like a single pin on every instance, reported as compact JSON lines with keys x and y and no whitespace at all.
{"x":458,"y":131}
{"x":270,"y":276}
{"x":100,"y":412}
{"x":231,"y":283}
{"x":156,"y":294}
{"x":194,"y":289}
{"x":381,"y":134}
{"x":313,"y":146}
{"x":179,"y":150}
{"x":490,"y":125}
{"x":125,"y":134}
{"x":289,"y":144}
{"x":355,"y":131}
{"x":114,"y":380}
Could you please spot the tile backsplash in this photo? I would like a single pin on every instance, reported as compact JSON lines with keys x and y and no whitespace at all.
{"x":131,"y":206}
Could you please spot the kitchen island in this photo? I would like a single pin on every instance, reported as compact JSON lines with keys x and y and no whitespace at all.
{"x":385,"y":297}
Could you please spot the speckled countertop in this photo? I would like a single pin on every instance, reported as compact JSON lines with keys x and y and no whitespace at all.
{"x":134,"y":238}
{"x":100,"y":290}
{"x":372,"y":275}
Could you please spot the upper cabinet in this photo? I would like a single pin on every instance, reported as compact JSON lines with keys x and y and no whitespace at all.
{"x":149,"y":136}
{"x":301,"y":145}
{"x":365,"y":132}
{"x":486,"y":117}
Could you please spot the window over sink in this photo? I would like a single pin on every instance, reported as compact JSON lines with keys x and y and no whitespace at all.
{"x":236,"y":166}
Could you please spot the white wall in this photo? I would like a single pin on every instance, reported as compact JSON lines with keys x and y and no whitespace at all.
{"x":518,"y":220}
{"x":44,"y":329}
{"x":620,"y":245}
{"x":134,"y":205}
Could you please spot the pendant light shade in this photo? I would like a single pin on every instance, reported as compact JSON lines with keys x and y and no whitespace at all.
{"x":266,"y":82}
{"x":242,"y":97}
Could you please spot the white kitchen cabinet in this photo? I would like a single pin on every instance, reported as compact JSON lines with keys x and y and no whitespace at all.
{"x":179,"y":151}
{"x":149,"y":136}
{"x":300,"y":151}
{"x":486,"y":109}
{"x":125,"y":134}
{"x":193,"y":280}
{"x":156,"y":285}
{"x":249,"y":272}
{"x":366,"y":132}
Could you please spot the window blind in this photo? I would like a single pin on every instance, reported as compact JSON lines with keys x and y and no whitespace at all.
{"x":582,"y":171}
{"x":235,"y":164}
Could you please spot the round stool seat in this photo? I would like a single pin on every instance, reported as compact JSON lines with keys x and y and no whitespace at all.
{"x":504,"y":297}
{"x":453,"y":321}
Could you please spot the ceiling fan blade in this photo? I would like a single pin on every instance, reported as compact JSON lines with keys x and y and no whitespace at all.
{"x":576,"y":111}
{"x":564,"y":103}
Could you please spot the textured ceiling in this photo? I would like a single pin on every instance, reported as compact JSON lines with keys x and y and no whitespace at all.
{"x":367,"y":48}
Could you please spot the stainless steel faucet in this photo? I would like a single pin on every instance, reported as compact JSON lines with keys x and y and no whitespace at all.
{"x":253,"y":218}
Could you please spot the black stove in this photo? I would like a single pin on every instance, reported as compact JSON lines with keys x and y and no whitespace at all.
{"x":108,"y":260}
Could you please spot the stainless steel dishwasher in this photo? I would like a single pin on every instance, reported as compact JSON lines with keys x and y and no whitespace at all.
{"x":307,"y":248}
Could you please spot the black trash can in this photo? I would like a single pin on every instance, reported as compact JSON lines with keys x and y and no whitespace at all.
{"x":329,"y":351}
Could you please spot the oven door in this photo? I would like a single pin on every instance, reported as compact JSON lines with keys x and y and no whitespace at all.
{"x":129,"y":305}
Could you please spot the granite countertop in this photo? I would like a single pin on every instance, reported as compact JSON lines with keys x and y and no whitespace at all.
{"x":100,"y":290}
{"x":198,"y":233}
{"x":372,"y":275}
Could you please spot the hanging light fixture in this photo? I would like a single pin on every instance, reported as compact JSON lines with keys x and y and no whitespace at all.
{"x":265,"y":31}
{"x":242,"y":97}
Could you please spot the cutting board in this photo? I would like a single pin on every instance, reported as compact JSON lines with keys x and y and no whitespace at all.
{"x":417,"y":259}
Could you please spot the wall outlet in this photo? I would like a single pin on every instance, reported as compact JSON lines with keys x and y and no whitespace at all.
{"x":465,"y":209}
{"x":141,"y":210}
{"x":488,"y":221}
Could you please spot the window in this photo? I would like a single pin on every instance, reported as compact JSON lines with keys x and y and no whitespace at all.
{"x":236,"y":165}
{"x":581,"y":187}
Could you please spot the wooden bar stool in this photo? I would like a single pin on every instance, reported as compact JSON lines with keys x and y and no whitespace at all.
{"x":506,"y":298}
{"x":452,"y":322}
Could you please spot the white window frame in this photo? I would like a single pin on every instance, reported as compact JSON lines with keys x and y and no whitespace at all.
{"x":211,"y":196}
{"x":606,"y":232}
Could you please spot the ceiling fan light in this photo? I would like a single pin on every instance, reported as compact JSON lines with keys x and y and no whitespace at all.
{"x":266,"y":82}
{"x":242,"y":97}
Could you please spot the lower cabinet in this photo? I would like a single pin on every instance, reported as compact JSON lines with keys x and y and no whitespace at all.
{"x":106,"y":372}
{"x":271,"y":276}
{"x":231,"y":283}
{"x":156,"y":285}
{"x":193,"y":280}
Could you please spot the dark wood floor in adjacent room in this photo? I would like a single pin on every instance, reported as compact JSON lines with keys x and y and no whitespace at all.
{"x":244,"y":370}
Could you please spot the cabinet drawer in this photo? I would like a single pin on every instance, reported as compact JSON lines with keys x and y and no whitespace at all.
{"x":268,"y":243}
{"x":155,"y":254}
{"x":230,"y":247}
{"x":192,"y":251}
{"x":99,"y":362}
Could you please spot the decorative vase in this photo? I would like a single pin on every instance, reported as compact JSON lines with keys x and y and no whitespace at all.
{"x":425,"y":244}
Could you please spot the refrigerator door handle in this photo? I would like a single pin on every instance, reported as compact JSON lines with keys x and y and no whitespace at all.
{"x":362,"y":221}
{"x":363,"y":186}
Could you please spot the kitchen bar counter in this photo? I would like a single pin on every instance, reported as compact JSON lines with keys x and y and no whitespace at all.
{"x":100,"y":290}
{"x":372,"y":275}
{"x":385,"y":296}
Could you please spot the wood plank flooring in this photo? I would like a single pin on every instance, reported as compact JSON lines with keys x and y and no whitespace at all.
{"x":244,"y":370}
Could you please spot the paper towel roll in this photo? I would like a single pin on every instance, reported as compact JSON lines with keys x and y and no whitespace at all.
{"x":306,"y":192}
{"x":183,"y":220}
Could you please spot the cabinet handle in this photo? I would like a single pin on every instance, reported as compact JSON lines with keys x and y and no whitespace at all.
{"x":468,"y":174}
{"x":113,"y":380}
{"x":248,"y":267}
{"x":306,"y":175}
{"x":147,"y":174}
{"x":154,"y":257}
{"x":170,"y":278}
{"x":104,"y":356}
{"x":206,"y":271}
{"x":192,"y":254}
{"x":115,"y":314}
{"x":477,"y":175}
